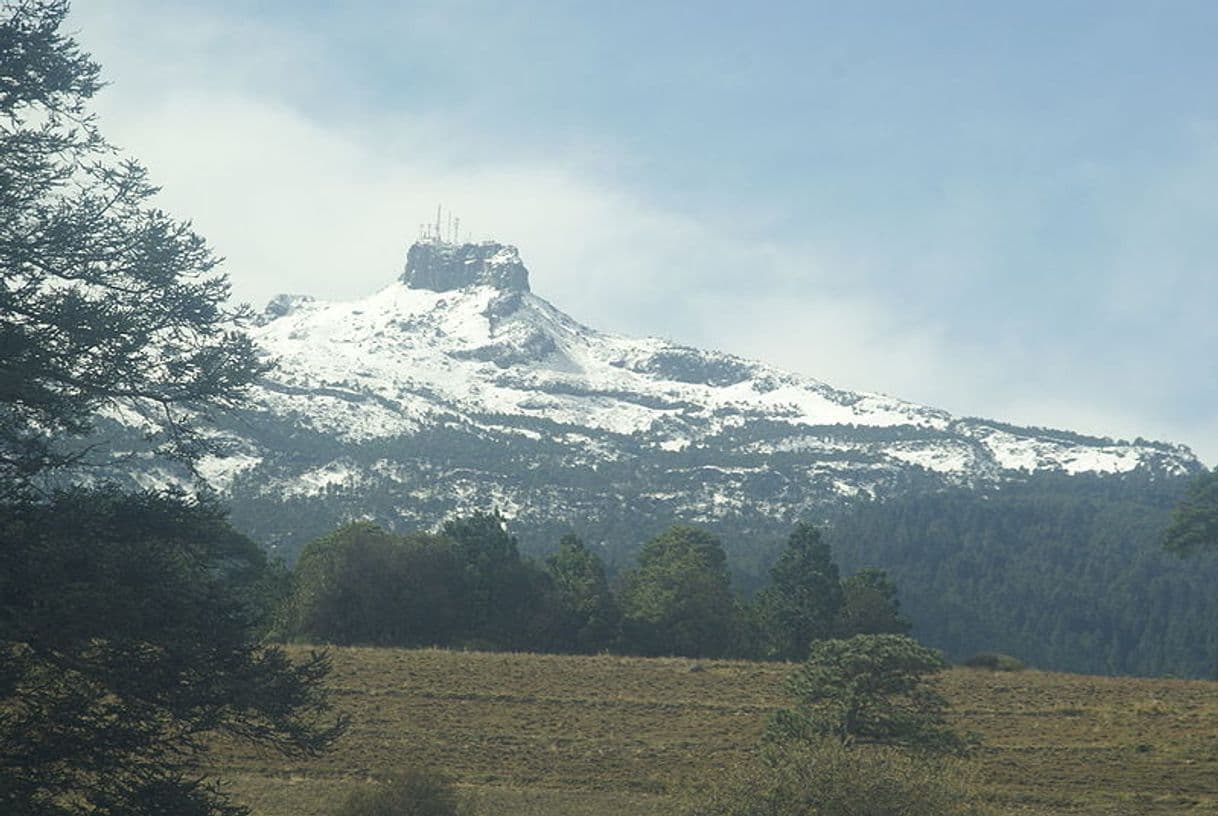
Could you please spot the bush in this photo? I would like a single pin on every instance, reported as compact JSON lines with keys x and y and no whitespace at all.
{"x":994,"y":661}
{"x":870,"y":689}
{"x":413,"y":793}
{"x":828,"y":779}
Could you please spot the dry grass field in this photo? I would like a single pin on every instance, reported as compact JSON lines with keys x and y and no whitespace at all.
{"x":547,"y":734}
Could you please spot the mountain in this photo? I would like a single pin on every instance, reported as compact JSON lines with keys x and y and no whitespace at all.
{"x":456,"y":388}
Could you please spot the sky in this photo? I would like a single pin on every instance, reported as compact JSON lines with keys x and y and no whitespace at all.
{"x":1004,"y":210}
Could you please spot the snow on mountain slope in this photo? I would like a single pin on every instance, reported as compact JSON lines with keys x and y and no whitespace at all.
{"x":410,"y":353}
{"x":455,"y":388}
{"x":407,"y":356}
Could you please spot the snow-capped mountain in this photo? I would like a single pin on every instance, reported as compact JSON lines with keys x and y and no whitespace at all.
{"x":456,"y":388}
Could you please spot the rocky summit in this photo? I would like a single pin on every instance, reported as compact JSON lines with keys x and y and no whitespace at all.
{"x":456,"y":388}
{"x":443,"y":267}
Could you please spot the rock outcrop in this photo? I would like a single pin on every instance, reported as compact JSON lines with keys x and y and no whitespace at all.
{"x":442,"y":267}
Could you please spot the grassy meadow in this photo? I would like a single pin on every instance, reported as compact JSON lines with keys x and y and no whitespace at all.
{"x":549,"y":734}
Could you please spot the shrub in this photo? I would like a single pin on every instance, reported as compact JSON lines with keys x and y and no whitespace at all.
{"x":826,"y":778}
{"x":412,"y":793}
{"x":869,"y":689}
{"x":995,"y":661}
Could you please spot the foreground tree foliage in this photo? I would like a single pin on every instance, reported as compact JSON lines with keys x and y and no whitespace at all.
{"x":870,"y":689}
{"x":127,"y":636}
{"x":128,"y":623}
{"x":105,"y":301}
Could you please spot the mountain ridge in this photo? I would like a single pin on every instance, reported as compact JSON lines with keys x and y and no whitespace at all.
{"x":456,"y":387}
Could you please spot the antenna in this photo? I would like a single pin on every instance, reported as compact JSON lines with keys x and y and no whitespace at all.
{"x":456,"y":230}
{"x":439,"y":221}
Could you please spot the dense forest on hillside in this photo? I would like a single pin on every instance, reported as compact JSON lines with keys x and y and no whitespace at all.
{"x":1066,"y":573}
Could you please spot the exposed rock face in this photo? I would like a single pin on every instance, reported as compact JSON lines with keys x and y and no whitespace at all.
{"x":442,"y":267}
{"x":282,"y":305}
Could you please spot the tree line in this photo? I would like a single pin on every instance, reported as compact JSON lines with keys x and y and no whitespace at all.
{"x":469,"y":586}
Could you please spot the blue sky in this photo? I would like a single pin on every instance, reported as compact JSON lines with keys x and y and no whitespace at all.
{"x":999,"y":209}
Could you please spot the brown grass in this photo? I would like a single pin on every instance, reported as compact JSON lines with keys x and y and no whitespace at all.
{"x":546,"y":734}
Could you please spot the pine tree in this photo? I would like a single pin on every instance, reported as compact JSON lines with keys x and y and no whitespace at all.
{"x":588,"y":612}
{"x":105,"y":301}
{"x":804,"y":596}
{"x":1194,"y":526}
{"x":679,"y":601}
{"x":128,"y":623}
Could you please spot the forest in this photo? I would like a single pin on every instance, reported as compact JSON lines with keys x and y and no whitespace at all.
{"x":1067,"y":573}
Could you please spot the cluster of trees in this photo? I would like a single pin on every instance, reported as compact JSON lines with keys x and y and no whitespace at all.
{"x":469,"y":585}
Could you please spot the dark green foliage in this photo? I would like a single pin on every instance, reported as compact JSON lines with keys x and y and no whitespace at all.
{"x":804,"y":596}
{"x":104,"y":299}
{"x":361,"y":584}
{"x":869,"y":606}
{"x":126,"y":631}
{"x":589,"y":620}
{"x":364,"y":585}
{"x":1068,"y":573}
{"x":128,"y":623}
{"x":503,"y":592}
{"x":413,"y":793}
{"x":1194,"y":522}
{"x":678,"y":601}
{"x":994,"y":661}
{"x":870,"y":689}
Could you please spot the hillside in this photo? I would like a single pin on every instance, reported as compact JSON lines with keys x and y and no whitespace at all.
{"x":546,"y":734}
{"x":457,"y":388}
{"x":1066,"y":573}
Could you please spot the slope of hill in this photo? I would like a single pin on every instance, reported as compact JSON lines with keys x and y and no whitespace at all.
{"x":456,"y":388}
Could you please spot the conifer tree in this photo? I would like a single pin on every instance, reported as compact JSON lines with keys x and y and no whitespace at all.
{"x":128,"y":622}
{"x":804,"y":596}
{"x":105,"y":300}
{"x":1194,"y":526}
{"x":679,"y":601}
